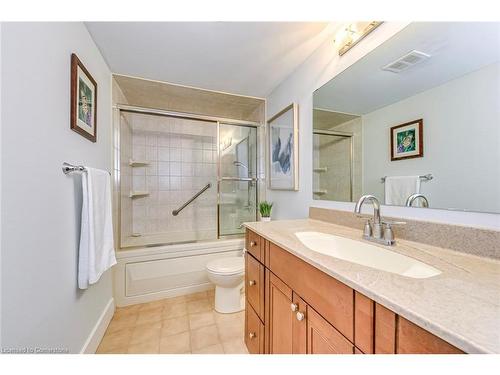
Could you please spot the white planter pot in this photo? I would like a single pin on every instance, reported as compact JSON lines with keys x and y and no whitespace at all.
{"x":265,"y":219}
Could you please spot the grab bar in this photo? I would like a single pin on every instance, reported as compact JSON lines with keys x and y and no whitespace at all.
{"x":176,"y":212}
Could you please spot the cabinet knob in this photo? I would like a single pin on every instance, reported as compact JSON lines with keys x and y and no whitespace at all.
{"x":252,"y":282}
{"x":300,"y":316}
{"x":253,"y":243}
{"x":294,"y":307}
{"x":252,"y":335}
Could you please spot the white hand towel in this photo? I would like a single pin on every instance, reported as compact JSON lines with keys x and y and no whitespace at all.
{"x":399,"y":188}
{"x":97,"y":253}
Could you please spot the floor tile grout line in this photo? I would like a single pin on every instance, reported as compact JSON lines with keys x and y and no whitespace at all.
{"x":218,"y":325}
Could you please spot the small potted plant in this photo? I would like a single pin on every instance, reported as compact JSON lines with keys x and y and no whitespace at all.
{"x":265,"y":210}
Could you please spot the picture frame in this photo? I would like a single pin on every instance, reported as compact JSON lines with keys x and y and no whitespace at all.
{"x":83,"y":100}
{"x":407,"y":140}
{"x":283,"y":160}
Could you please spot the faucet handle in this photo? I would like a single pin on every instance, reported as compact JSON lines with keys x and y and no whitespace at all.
{"x":388,"y":233}
{"x":367,"y":231}
{"x":389,"y":223}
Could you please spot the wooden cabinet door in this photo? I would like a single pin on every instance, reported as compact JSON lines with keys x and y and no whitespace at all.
{"x":411,"y":339}
{"x":279,"y":316}
{"x":331,"y":298}
{"x":364,"y":313}
{"x":323,"y":338}
{"x":299,"y":325}
{"x":385,"y":330}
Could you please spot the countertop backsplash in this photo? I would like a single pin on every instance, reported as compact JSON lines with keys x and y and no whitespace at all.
{"x":475,"y":241}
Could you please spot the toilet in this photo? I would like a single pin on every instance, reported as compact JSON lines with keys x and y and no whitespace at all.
{"x":227,"y":275}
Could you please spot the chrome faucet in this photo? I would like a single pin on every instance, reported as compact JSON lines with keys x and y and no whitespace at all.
{"x":376,"y":232}
{"x":413,"y":197}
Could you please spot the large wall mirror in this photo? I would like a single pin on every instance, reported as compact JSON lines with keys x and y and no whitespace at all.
{"x":416,"y":122}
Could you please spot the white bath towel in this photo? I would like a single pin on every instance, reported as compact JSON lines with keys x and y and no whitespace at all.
{"x":97,"y":253}
{"x":399,"y":188}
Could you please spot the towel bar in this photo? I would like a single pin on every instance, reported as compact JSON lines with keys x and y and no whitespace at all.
{"x":425,"y":177}
{"x":70,"y":168}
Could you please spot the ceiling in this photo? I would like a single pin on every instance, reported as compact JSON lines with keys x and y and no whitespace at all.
{"x":158,"y":95}
{"x":246,"y":58}
{"x":456,"y":48}
{"x":327,"y":120}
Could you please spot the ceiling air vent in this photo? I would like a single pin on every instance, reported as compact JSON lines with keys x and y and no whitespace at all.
{"x":406,"y":61}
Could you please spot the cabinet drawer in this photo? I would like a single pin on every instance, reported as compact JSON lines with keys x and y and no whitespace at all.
{"x":415,"y":340}
{"x":254,"y":284}
{"x":329,"y":297}
{"x":254,"y":245}
{"x":254,"y":331}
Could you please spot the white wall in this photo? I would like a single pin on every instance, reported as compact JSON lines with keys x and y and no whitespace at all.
{"x":461,"y":133}
{"x":322,"y":66}
{"x":40,"y":216}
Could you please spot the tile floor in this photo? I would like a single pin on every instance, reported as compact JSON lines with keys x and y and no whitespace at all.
{"x":179,"y":325}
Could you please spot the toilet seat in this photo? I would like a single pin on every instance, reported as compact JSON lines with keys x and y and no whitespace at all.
{"x":227,"y":266}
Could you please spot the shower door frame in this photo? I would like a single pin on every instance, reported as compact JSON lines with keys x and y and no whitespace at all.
{"x":237,"y":179}
{"x":351,"y":154}
{"x":188,"y":116}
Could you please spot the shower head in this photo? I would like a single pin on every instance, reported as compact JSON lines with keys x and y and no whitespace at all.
{"x":239,"y":164}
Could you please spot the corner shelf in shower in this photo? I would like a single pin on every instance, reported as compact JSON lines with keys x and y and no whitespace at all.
{"x":320,"y":192}
{"x":320,"y":169}
{"x":136,"y":194}
{"x":138,"y":163}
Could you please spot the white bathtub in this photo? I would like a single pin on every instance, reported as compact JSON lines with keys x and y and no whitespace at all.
{"x":151,"y":273}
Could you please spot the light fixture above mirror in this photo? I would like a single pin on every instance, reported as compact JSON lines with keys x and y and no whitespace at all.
{"x":353,"y":33}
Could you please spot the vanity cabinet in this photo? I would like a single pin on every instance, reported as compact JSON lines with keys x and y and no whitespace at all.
{"x":295,"y":308}
{"x":294,"y":327}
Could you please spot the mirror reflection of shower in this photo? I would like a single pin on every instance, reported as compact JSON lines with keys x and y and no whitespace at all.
{"x":336,"y":155}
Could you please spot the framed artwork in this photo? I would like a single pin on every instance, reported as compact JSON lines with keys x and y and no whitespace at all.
{"x":283,"y":149}
{"x":83,"y":100}
{"x":407,"y":140}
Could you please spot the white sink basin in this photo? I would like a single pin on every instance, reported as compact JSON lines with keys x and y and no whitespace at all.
{"x":366,"y":255}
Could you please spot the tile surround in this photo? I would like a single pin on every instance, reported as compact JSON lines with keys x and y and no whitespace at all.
{"x":182,"y":157}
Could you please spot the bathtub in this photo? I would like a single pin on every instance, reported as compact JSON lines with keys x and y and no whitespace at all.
{"x":151,"y":273}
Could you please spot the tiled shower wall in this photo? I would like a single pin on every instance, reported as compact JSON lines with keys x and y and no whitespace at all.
{"x":181,"y":156}
{"x":334,"y":153}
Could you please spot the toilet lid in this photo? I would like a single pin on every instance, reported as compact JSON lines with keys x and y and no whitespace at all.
{"x":230,"y":265}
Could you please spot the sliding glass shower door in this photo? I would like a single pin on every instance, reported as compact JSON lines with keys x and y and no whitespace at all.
{"x":183,"y":179}
{"x":237,"y":177}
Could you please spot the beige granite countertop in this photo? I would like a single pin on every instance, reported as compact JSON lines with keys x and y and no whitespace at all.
{"x":461,"y":305}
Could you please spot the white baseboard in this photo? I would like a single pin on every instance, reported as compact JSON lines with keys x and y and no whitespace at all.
{"x":99,"y":329}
